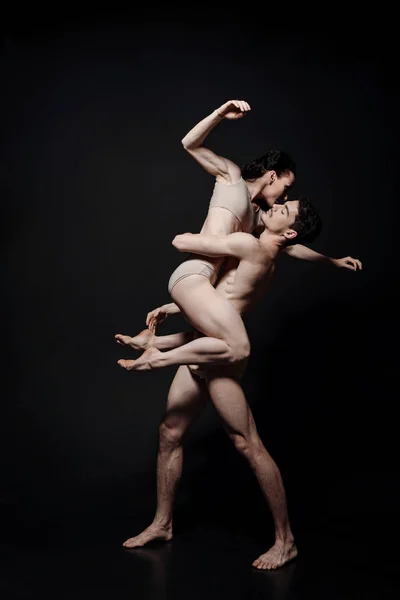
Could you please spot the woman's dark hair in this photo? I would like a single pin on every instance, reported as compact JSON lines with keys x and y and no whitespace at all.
{"x":273,"y":160}
{"x":308,"y":223}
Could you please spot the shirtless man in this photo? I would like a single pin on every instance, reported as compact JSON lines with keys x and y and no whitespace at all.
{"x":284,"y":223}
{"x":234,"y":207}
{"x":243,"y":286}
{"x":267,"y":179}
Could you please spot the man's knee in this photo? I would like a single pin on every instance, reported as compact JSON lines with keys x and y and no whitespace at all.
{"x":249,"y":446}
{"x":241,"y":443}
{"x":170,"y":437}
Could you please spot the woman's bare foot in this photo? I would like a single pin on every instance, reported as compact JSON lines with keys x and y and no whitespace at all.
{"x":152,"y":533}
{"x":143,"y":363}
{"x":277,"y":556}
{"x":142,"y":341}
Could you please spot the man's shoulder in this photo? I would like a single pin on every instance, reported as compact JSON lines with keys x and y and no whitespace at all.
{"x":246,"y":238}
{"x":247,"y":242}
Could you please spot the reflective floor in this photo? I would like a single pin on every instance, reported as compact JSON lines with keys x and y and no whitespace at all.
{"x":204,"y":563}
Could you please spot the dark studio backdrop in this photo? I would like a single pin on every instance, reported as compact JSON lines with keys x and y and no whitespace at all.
{"x":95,"y":185}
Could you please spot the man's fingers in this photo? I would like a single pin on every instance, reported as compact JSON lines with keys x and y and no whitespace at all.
{"x":346,"y":263}
{"x":149,"y":317}
{"x":356,"y":264}
{"x":154,"y":317}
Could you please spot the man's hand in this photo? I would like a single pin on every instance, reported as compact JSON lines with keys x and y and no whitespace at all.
{"x":156,"y":316}
{"x":233,"y":109}
{"x":348,"y":263}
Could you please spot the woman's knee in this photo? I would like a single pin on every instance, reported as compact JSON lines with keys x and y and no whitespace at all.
{"x":214,"y":316}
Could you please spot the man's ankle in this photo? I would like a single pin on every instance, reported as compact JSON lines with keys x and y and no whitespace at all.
{"x":164,"y":522}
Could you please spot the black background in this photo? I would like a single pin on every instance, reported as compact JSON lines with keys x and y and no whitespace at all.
{"x":95,"y":184}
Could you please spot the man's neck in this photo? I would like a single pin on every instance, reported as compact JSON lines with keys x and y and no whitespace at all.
{"x":272,"y":242}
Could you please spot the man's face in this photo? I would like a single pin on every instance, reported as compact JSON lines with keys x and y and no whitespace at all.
{"x":278,"y":187}
{"x":280,"y":217}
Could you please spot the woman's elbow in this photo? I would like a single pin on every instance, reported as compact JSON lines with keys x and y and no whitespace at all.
{"x":185,"y":142}
{"x":189,"y":144}
{"x":177,"y":243}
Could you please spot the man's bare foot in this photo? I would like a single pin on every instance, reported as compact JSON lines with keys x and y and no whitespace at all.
{"x":143,"y":363}
{"x":277,"y":556}
{"x":152,"y":533}
{"x":142,"y":341}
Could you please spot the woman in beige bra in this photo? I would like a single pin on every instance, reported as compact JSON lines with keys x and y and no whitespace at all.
{"x":234,"y":206}
{"x":232,"y":209}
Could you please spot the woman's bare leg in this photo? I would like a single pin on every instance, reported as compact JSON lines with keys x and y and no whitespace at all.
{"x":207,"y":311}
{"x":146,"y":339}
{"x":186,"y":399}
{"x":230,"y":402}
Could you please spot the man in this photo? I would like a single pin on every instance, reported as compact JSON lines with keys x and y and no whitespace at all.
{"x":243,"y":287}
{"x":267,"y":180}
{"x":284,"y":223}
{"x":233,"y":208}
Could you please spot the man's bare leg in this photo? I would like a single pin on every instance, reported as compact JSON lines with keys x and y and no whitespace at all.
{"x":186,"y":399}
{"x":226,"y":340}
{"x":231,"y":405}
{"x":147,"y":338}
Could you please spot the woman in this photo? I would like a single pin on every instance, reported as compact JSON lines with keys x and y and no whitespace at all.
{"x":234,"y":206}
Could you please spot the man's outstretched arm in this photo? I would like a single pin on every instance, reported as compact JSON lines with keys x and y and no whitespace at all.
{"x":305,"y":253}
